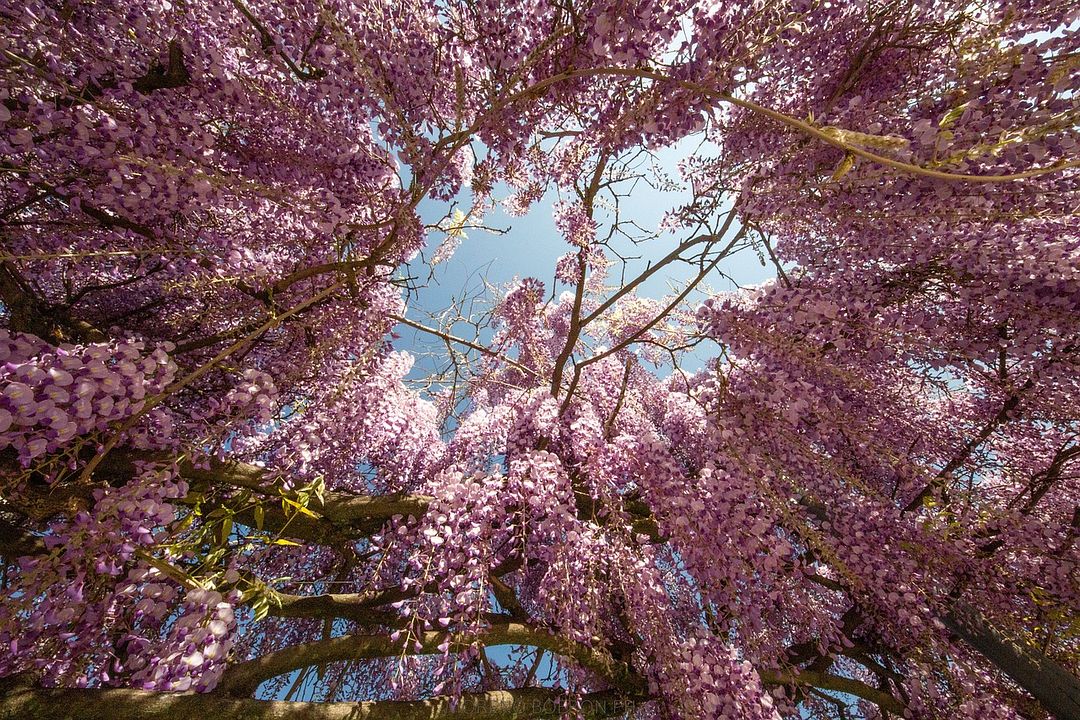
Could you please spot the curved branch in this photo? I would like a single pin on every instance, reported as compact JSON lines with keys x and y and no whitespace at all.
{"x":358,"y":607}
{"x":243,"y":679}
{"x":835,"y":141}
{"x":361,"y":608}
{"x":824,"y":135}
{"x":24,"y":702}
{"x":830,"y":138}
{"x":837,"y":683}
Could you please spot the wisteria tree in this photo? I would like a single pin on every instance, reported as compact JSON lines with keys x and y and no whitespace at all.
{"x":225,"y":490}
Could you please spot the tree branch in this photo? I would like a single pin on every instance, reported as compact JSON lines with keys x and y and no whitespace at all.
{"x":244,"y":679}
{"x":361,"y":608}
{"x":30,"y":314}
{"x":16,"y":541}
{"x":24,"y":702}
{"x":462,"y":341}
{"x":268,"y":42}
{"x":946,"y":472}
{"x":1056,"y":689}
{"x":837,"y":683}
{"x":660,"y":264}
{"x":352,"y":515}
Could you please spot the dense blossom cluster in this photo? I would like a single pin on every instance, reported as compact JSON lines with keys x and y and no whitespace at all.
{"x":194,"y":653}
{"x":108,"y":592}
{"x":717,"y":683}
{"x":218,"y":476}
{"x":53,"y":396}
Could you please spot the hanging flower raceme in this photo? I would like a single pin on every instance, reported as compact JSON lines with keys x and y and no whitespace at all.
{"x":54,"y":395}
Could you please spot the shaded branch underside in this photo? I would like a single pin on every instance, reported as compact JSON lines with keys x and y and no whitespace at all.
{"x":24,"y":702}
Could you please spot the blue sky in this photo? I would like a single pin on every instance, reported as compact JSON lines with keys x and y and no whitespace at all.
{"x":531,"y":244}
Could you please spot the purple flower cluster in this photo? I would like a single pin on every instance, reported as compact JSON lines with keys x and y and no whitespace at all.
{"x":53,"y":395}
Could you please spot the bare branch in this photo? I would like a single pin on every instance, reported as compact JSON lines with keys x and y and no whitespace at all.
{"x":462,"y":341}
{"x":837,"y":683}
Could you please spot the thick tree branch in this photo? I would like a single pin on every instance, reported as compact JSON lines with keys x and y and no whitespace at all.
{"x":337,"y":507}
{"x":341,"y":515}
{"x":1056,"y":689}
{"x":358,"y":607}
{"x":837,"y":683}
{"x":361,"y":608}
{"x":245,"y":678}
{"x":15,"y":541}
{"x":165,"y":77}
{"x":30,"y":314}
{"x":23,"y":702}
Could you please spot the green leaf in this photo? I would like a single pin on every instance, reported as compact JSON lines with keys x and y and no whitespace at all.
{"x":261,"y":606}
{"x":952,"y":116}
{"x":457,"y":225}
{"x":299,"y":508}
{"x":845,"y":166}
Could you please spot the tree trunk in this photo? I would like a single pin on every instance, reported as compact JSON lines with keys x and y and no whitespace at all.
{"x":1056,"y":689}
